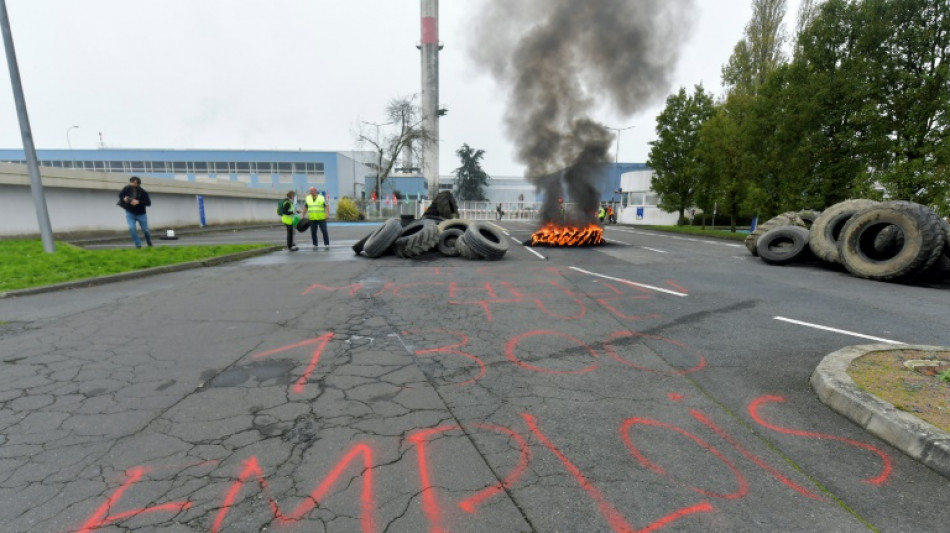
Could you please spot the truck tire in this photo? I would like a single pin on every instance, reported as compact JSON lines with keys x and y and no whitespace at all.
{"x":358,"y":247}
{"x":784,"y":245}
{"x":789,"y":218}
{"x":924,"y":240}
{"x":460,"y":223}
{"x":808,"y":216}
{"x":448,"y":240}
{"x":826,"y":229}
{"x":465,"y":251}
{"x":486,"y":241}
{"x":381,"y":239}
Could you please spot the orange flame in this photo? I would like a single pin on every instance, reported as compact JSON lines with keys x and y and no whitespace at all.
{"x":554,"y":235}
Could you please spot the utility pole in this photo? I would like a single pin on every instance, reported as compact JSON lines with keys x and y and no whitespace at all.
{"x":618,"y":130}
{"x":29,"y":151}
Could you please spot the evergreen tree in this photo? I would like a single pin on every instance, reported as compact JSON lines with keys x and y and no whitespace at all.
{"x":470,"y":179}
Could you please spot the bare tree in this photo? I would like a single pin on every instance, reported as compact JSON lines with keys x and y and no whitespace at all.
{"x":807,"y":11}
{"x":407,"y":135}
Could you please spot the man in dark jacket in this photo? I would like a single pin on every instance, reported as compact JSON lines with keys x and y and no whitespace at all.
{"x":134,"y":200}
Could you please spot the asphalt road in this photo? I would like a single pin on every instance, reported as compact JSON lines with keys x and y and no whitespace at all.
{"x":657,"y":383}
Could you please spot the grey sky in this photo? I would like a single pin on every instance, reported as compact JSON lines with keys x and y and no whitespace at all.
{"x":281,"y":74}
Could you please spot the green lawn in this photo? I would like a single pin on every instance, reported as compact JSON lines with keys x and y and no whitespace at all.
{"x":23,"y":263}
{"x":696,"y":230}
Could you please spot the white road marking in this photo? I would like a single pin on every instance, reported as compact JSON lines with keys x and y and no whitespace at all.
{"x":677,"y":237}
{"x":836,"y":330}
{"x":618,"y":242}
{"x":655,"y":250}
{"x":628,"y":282}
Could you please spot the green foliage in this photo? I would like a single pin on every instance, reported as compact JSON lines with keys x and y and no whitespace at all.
{"x":944,"y":376}
{"x":24,"y":263}
{"x":470,"y":179}
{"x":347,"y":210}
{"x":679,"y":171}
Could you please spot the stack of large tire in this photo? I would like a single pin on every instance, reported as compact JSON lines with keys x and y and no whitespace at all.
{"x":887,"y":241}
{"x":451,"y":238}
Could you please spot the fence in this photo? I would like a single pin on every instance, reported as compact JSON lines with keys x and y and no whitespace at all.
{"x":470,"y":210}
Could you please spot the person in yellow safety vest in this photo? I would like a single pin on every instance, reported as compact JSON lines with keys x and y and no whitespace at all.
{"x":600,"y":214}
{"x":317,"y":212}
{"x":287,"y":217}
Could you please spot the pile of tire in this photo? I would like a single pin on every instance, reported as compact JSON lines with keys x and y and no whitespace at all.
{"x":885,"y":241}
{"x":451,"y":238}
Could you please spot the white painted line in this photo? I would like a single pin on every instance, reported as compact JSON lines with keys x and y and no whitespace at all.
{"x":655,"y":250}
{"x":618,"y":242}
{"x":628,"y":282}
{"x":528,"y":248}
{"x":836,"y":330}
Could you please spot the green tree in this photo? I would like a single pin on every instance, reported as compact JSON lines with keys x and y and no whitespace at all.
{"x":673,"y":156}
{"x":759,"y":52}
{"x":723,"y":151}
{"x":470,"y":179}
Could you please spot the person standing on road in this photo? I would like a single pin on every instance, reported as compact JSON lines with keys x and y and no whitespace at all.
{"x":287,"y":217}
{"x":134,"y":200}
{"x":317,"y":211}
{"x":499,"y":211}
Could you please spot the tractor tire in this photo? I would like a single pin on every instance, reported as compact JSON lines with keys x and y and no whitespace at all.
{"x":381,"y":239}
{"x":447,"y":242}
{"x":417,"y":238}
{"x":789,"y":218}
{"x":827,"y":228}
{"x":784,"y":245}
{"x":445,"y":205}
{"x":486,"y":241}
{"x":924,"y":240}
{"x":808,"y":216}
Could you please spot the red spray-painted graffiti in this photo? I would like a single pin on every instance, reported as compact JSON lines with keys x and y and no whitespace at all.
{"x":359,"y":461}
{"x":321,"y":343}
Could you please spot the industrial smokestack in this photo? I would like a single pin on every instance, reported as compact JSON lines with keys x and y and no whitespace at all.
{"x":429,"y":45}
{"x":560,"y":59}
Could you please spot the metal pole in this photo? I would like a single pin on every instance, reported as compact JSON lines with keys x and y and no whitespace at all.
{"x":67,"y":136}
{"x":618,"y":130}
{"x":29,"y":151}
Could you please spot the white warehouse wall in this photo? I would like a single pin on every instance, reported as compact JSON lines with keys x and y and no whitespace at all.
{"x":80,"y":201}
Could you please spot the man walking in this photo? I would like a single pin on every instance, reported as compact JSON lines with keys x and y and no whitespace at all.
{"x":317,"y":212}
{"x":134,"y":200}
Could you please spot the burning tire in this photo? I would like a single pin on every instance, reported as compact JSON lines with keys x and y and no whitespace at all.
{"x":789,"y":218}
{"x":827,"y":228}
{"x":924,"y":241}
{"x":486,"y":241}
{"x":448,"y":240}
{"x":784,"y":245}
{"x":381,"y":239}
{"x":417,"y":238}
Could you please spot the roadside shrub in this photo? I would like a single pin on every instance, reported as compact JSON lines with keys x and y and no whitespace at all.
{"x":346,"y":210}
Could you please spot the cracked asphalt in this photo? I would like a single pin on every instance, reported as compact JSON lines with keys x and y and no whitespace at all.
{"x":645,"y":385}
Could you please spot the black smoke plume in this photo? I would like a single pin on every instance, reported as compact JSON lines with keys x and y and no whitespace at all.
{"x":561,"y":60}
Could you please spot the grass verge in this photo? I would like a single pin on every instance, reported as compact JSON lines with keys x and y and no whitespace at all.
{"x":695,"y":230}
{"x":24,"y":264}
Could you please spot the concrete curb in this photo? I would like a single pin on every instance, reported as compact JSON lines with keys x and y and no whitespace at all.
{"x":916,"y":438}
{"x":135,"y":274}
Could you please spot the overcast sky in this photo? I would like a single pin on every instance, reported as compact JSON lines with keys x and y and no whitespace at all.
{"x":282,"y":74}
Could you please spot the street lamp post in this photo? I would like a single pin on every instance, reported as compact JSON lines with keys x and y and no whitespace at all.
{"x":71,"y":157}
{"x":618,"y":130}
